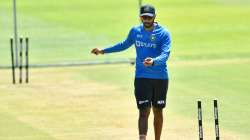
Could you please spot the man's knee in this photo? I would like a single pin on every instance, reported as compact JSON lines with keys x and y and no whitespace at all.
{"x":144,"y":113}
{"x":157,"y":112}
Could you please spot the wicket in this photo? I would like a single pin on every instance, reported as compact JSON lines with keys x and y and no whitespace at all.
{"x":216,"y":118}
{"x":200,"y":121}
{"x":12,"y":61}
{"x":23,"y":45}
{"x":21,"y":61}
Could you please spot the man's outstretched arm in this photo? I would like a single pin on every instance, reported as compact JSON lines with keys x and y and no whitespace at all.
{"x":118,"y":47}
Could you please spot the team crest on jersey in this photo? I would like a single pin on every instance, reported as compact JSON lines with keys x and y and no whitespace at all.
{"x":152,"y":37}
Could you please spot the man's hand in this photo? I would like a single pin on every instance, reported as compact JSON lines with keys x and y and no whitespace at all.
{"x":97,"y":51}
{"x":148,"y":61}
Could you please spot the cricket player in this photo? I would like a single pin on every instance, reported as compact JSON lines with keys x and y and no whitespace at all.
{"x":152,"y":43}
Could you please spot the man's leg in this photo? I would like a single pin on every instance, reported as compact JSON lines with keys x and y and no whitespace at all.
{"x":158,"y":121}
{"x":159,"y":102}
{"x":143,"y":122}
{"x":143,"y":94}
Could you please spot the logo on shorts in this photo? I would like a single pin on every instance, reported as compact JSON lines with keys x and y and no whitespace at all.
{"x":160,"y":102}
{"x":142,"y":102}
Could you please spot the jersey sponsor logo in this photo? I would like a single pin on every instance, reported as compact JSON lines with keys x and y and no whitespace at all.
{"x":143,"y":102}
{"x":160,"y":102}
{"x":144,"y":44}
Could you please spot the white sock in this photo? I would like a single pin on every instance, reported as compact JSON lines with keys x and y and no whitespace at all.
{"x":142,"y":137}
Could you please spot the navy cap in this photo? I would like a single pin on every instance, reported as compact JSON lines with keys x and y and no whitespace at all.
{"x":147,"y":10}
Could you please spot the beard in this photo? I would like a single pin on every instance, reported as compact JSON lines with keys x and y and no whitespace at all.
{"x":148,"y":24}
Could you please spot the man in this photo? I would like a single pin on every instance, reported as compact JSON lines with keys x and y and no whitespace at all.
{"x":152,"y":43}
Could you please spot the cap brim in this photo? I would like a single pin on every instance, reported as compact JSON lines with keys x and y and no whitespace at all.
{"x":148,"y":14}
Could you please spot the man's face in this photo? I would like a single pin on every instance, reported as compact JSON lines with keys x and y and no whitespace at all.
{"x":147,"y":21}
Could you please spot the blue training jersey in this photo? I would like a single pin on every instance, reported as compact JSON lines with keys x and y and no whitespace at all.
{"x":155,"y":44}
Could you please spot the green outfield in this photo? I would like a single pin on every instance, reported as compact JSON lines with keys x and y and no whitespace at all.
{"x":210,"y":59}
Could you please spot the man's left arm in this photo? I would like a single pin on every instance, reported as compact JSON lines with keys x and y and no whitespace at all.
{"x":165,"y":50}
